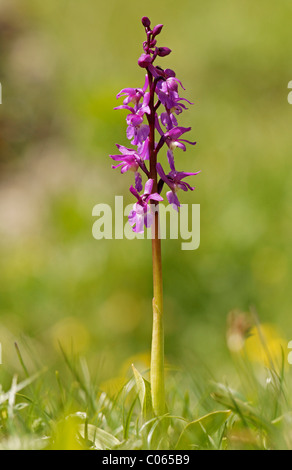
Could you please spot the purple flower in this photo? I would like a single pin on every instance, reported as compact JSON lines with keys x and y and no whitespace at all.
{"x":141,"y":214}
{"x":139,"y":109}
{"x":167,"y":89}
{"x":133,"y":95}
{"x":136,"y":130}
{"x":172,"y":139}
{"x":130,"y":161}
{"x":168,"y":118}
{"x":174,"y":182}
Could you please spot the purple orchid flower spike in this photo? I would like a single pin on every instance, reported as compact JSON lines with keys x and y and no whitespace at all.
{"x":174,"y":182}
{"x":140,"y":103}
{"x":141,"y":214}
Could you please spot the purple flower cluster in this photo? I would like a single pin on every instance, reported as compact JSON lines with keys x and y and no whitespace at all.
{"x":161,"y":87}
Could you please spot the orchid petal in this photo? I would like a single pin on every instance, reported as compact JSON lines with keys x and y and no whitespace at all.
{"x":146,"y":84}
{"x":126,"y":91}
{"x":138,"y":181}
{"x":148,"y":186}
{"x":148,"y":219}
{"x":155,"y":197}
{"x":139,"y":223}
{"x":132,"y":217}
{"x":124,"y":106}
{"x":161,"y":173}
{"x":135,"y":192}
{"x":170,"y":158}
{"x":173,"y":200}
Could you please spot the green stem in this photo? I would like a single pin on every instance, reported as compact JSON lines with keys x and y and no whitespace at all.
{"x":157,"y":347}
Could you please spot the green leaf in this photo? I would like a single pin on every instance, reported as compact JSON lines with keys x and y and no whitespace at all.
{"x":199,"y":431}
{"x":16,"y":388}
{"x":144,"y":393}
{"x":97,"y":437}
{"x":127,"y":421}
{"x":244,"y":410}
{"x":21,"y":406}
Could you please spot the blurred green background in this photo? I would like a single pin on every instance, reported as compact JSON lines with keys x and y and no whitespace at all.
{"x":61,"y":65}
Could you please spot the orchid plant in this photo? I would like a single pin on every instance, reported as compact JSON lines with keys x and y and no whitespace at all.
{"x":144,"y":123}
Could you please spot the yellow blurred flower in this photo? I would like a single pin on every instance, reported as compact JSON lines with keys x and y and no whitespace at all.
{"x":71,"y":334}
{"x":266,"y":345}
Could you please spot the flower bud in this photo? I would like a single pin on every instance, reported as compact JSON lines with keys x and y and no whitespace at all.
{"x":144,"y":60}
{"x":163,"y":51}
{"x":157,"y":29}
{"x":146,"y":22}
{"x":169,"y":73}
